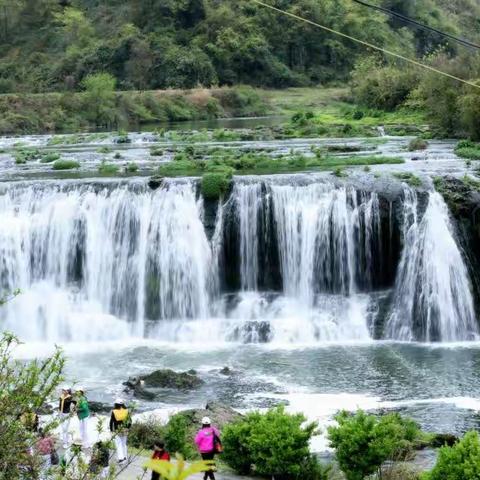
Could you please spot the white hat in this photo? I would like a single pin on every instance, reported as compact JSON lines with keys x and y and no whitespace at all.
{"x":65,"y":388}
{"x":80,"y":389}
{"x":77,"y":441}
{"x":120,"y":401}
{"x":206,"y":421}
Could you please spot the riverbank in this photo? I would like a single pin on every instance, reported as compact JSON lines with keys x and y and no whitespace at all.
{"x":316,"y":111}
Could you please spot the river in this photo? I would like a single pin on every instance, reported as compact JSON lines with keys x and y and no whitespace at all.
{"x":320,"y":292}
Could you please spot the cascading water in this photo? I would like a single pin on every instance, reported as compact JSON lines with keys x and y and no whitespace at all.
{"x":248,"y":200}
{"x":103,"y":261}
{"x":433,"y":298}
{"x":88,"y":258}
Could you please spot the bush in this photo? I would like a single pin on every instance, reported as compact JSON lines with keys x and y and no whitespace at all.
{"x":364,"y":442}
{"x":131,"y":167}
{"x":417,"y":144}
{"x":25,"y":155}
{"x":460,"y":462}
{"x":50,"y":157}
{"x":215,"y":184}
{"x":144,"y":434}
{"x":156,"y":152}
{"x":178,"y":437}
{"x":381,"y":87}
{"x":108,"y":168}
{"x":65,"y":164}
{"x":271,"y":444}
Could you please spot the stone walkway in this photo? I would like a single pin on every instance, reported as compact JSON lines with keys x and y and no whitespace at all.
{"x":135,"y":471}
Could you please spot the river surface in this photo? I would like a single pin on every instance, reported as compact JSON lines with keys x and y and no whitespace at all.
{"x":80,"y":248}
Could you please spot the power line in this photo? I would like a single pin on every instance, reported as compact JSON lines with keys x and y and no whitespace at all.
{"x":462,"y":41}
{"x":367,"y":44}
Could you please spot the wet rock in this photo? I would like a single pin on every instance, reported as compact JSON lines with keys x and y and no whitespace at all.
{"x":170,"y":379}
{"x":226,"y":371}
{"x":155,"y":182}
{"x":219,"y":414}
{"x":144,"y":386}
{"x":443,"y":439}
{"x":135,"y":386}
{"x":99,"y":407}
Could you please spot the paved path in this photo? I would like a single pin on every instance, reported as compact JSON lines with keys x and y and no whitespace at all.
{"x":135,"y":471}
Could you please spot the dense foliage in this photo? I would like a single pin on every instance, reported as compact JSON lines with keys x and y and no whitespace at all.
{"x":364,"y":442}
{"x":53,"y":45}
{"x":453,"y":108}
{"x":24,"y":389}
{"x":274,"y":444}
{"x":460,"y":462}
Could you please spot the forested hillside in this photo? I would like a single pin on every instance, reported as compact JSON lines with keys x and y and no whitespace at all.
{"x":52,"y":45}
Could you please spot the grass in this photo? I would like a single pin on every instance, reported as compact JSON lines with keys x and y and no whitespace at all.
{"x":108,"y":168}
{"x":131,"y":167}
{"x":468,"y":149}
{"x":250,"y":163}
{"x":65,"y":165}
{"x":409,"y":178}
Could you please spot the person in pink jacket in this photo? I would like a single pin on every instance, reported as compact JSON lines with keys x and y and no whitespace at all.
{"x":208,"y":444}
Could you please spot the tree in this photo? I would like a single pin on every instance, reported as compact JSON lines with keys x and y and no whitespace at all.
{"x":273,"y":444}
{"x":364,"y":442}
{"x":460,"y":462}
{"x":24,"y":389}
{"x":100,"y":97}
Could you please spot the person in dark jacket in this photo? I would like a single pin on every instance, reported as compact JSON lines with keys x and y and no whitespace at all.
{"x":65,"y":405}
{"x":159,"y":453}
{"x":120,"y":422}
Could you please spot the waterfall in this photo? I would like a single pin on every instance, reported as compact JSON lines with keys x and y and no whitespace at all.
{"x":433,"y":299}
{"x":91,"y":258}
{"x":290,"y":263}
{"x":248,"y":202}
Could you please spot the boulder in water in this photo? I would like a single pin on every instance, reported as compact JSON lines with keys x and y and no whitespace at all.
{"x":141,"y":386}
{"x":155,"y":182}
{"x":170,"y":379}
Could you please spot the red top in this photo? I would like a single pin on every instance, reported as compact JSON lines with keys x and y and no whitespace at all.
{"x":161,"y":456}
{"x":45,"y":446}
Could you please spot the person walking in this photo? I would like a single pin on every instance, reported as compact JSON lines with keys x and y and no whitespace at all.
{"x":208,"y":444}
{"x":65,"y":404}
{"x":120,"y":422}
{"x":83,"y":413}
{"x":159,"y":453}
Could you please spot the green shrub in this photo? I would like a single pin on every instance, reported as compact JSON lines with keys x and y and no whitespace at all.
{"x":215,"y":184}
{"x":50,"y":157}
{"x":460,"y":462}
{"x":364,"y":442}
{"x":184,"y":167}
{"x":131,"y":167}
{"x":468,"y":149}
{"x":65,"y":164}
{"x":104,"y":149}
{"x":409,"y":178}
{"x":271,"y":444}
{"x":178,"y":437}
{"x":108,"y":168}
{"x":117,"y":155}
{"x":145,"y":433}
{"x":25,"y":155}
{"x":417,"y":144}
{"x":156,"y":152}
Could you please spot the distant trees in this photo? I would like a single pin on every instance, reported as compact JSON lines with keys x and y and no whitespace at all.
{"x":182,"y":43}
{"x":99,"y":97}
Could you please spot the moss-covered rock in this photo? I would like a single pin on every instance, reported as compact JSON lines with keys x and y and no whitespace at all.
{"x":417,"y":144}
{"x":216,"y":184}
{"x":171,"y":379}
